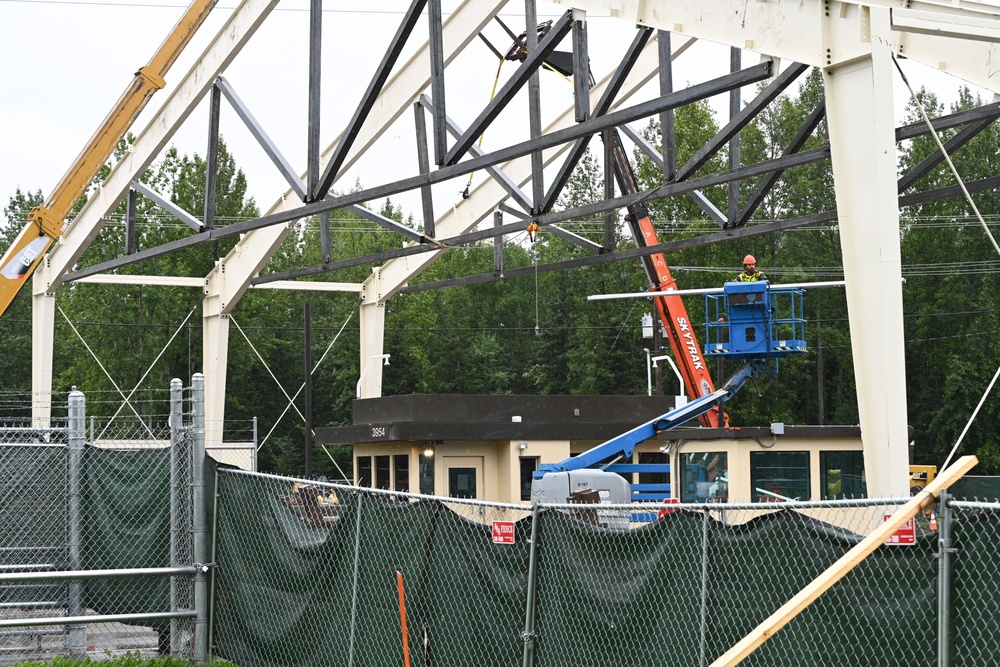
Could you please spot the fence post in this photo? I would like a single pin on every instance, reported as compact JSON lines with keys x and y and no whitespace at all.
{"x":354,"y":591}
{"x":176,"y":426}
{"x":946,"y":649}
{"x":704,"y":588}
{"x":528,"y":636}
{"x":198,"y":519}
{"x":77,"y":639}
{"x":253,"y":458}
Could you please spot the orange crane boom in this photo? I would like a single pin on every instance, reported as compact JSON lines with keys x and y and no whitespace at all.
{"x":670,"y":309}
{"x":45,"y":223}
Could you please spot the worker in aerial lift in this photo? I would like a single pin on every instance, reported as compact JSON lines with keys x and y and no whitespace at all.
{"x":750,"y":273}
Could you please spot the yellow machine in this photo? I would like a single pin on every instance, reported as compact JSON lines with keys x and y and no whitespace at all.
{"x":45,"y":223}
{"x":921,"y":476}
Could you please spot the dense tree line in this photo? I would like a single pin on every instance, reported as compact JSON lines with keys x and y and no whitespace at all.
{"x":535,"y":334}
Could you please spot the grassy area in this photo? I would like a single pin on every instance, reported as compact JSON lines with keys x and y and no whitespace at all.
{"x":127,"y":660}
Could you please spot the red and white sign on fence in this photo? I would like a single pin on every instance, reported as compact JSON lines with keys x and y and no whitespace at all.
{"x":503,"y":532}
{"x":905,"y":535}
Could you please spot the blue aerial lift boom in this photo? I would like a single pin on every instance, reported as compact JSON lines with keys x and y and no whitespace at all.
{"x":754,"y":322}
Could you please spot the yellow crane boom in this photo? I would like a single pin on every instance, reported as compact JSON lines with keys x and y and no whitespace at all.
{"x":45,"y":223}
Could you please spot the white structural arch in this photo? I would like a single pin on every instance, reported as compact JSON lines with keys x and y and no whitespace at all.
{"x":853,"y":42}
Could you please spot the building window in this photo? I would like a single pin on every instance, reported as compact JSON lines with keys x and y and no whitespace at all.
{"x":461,"y":482}
{"x":529,"y":464}
{"x":364,"y":470}
{"x":401,"y":471}
{"x":842,"y":475}
{"x":704,"y":477}
{"x":778,"y":476}
{"x":382,"y":472}
{"x":426,"y":470}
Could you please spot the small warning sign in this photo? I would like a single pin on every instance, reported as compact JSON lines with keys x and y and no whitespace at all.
{"x":906,"y":534}
{"x":503,"y":532}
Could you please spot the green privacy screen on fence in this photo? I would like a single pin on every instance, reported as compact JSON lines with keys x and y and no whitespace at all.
{"x":291,"y":594}
{"x":294,"y":588}
{"x":301,"y":580}
{"x":685,"y":589}
{"x":127,"y":525}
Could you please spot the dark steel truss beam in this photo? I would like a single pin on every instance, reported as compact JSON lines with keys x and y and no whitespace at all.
{"x":315,"y":87}
{"x":548,"y":219}
{"x":131,"y":233}
{"x":700,"y":241}
{"x":529,"y":67}
{"x":767,"y":183}
{"x":424,"y":167}
{"x":937,"y":157}
{"x":367,"y":101}
{"x":535,"y":100}
{"x":436,"y":42}
{"x":610,"y":94}
{"x":212,"y":157}
{"x":699,"y":91}
{"x":952,"y":120}
{"x":669,"y":162}
{"x":747,"y":114}
{"x":733,"y":194}
{"x":609,"y":190}
{"x":498,"y":246}
{"x":581,"y":71}
{"x":386,"y":223}
{"x":634,"y":253}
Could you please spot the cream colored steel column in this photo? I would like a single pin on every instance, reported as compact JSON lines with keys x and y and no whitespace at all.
{"x":372,"y":315}
{"x":43,"y":327}
{"x":863,"y":148}
{"x":215,"y":351}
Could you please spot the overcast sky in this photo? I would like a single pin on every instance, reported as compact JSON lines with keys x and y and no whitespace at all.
{"x":64,"y":63}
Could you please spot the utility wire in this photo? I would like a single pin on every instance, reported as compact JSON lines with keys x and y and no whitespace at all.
{"x":944,"y":153}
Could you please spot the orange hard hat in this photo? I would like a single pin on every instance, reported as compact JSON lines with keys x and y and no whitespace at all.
{"x":749,"y":260}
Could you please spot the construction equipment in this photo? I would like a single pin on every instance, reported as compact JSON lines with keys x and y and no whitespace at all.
{"x":45,"y":223}
{"x":742,"y":322}
{"x":670,"y":309}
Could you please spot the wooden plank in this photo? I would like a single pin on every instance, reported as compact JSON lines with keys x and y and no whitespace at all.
{"x":845,"y":564}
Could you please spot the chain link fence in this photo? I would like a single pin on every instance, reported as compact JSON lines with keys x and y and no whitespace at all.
{"x":109,"y":543}
{"x":97,"y":538}
{"x":310,"y":573}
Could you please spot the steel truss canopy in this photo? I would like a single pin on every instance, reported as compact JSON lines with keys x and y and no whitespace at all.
{"x":417,"y":84}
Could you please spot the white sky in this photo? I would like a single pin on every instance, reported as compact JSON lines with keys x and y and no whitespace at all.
{"x":64,"y":63}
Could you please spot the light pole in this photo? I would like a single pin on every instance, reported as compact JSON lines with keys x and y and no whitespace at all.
{"x":367,"y":366}
{"x":681,"y":398}
{"x":649,"y":373}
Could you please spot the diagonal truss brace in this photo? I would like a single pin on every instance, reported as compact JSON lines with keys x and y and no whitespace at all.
{"x":767,"y":183}
{"x":368,"y":100}
{"x":168,"y":206}
{"x":513,"y":190}
{"x":740,"y":121}
{"x":697,"y":196}
{"x":530,"y":65}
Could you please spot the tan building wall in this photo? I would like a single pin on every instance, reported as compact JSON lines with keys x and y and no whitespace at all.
{"x":492,"y":470}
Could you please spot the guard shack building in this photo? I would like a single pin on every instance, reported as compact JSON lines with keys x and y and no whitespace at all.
{"x":487,"y":447}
